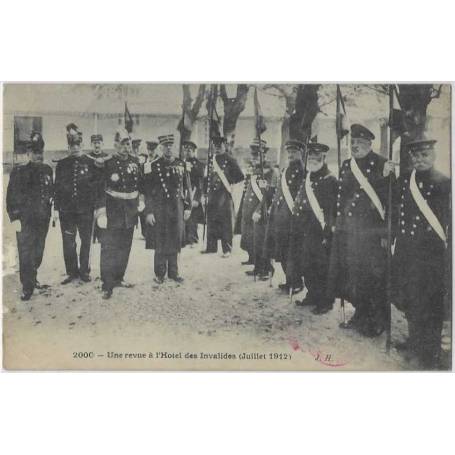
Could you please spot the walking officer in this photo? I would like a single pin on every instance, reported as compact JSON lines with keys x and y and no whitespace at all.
{"x":313,"y":216}
{"x":166,"y":208}
{"x":28,"y":203}
{"x":119,"y":201}
{"x":76,"y":189}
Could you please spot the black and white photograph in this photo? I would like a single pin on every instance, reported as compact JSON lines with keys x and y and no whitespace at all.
{"x":227,"y":226}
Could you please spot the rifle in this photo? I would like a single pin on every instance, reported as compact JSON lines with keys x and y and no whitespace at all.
{"x":389,"y":233}
{"x":303,"y":161}
{"x":338,"y":128}
{"x":211,"y":108}
{"x":187,"y":174}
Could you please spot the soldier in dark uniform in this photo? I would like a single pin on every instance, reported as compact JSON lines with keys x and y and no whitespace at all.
{"x":76,"y":189}
{"x":256,"y":203}
{"x":97,"y":144}
{"x":313,"y":215}
{"x":223,"y":173}
{"x":422,"y":256}
{"x":238,"y":221}
{"x":196,"y":170}
{"x":166,"y":209}
{"x":149,"y":157}
{"x":278,"y":230}
{"x":122,"y":181}
{"x":28,"y":203}
{"x":358,"y":256}
{"x":98,"y":156}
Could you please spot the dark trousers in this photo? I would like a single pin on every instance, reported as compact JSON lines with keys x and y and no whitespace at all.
{"x":71,"y":223}
{"x":166,"y":263}
{"x":115,"y":253}
{"x":212,"y":244}
{"x":30,"y":245}
{"x":425,"y":327}
{"x":191,"y":235}
{"x":142,"y":221}
{"x":315,"y":275}
{"x":293,"y":278}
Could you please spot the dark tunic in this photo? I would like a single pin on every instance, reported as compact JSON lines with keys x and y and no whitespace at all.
{"x":252,"y":204}
{"x":29,"y":199}
{"x":422,"y":264}
{"x":164,"y":190}
{"x":358,"y":261}
{"x":278,"y":230}
{"x":196,"y":171}
{"x":310,"y":243}
{"x":220,"y":207}
{"x":121,"y":184}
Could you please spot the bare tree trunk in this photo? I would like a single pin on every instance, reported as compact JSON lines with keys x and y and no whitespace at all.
{"x":233,"y":107}
{"x":414,"y":101}
{"x":190,"y":111}
{"x":306,"y":109}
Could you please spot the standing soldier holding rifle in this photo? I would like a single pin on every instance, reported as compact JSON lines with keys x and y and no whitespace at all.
{"x":257,"y":200}
{"x":223,"y":172}
{"x":313,"y":216}
{"x":28,"y":203}
{"x":358,"y":257}
{"x":279,"y":224}
{"x":195,"y":168}
{"x":422,"y":256}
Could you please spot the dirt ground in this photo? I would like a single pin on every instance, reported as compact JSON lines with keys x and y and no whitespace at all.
{"x":216,"y":313}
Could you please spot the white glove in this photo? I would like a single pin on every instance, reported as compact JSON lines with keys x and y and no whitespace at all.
{"x":186,"y":215}
{"x":256,"y":217}
{"x":195,"y":204}
{"x":150,"y":219}
{"x":101,"y":218}
{"x":141,"y":206}
{"x":17,"y":225}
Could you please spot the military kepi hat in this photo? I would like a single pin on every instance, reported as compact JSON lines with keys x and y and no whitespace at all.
{"x":166,"y":139}
{"x":36,"y":142}
{"x":361,"y":132}
{"x":151,"y":145}
{"x":294,"y":144}
{"x":96,"y":138}
{"x":121,"y":135}
{"x":73,"y":134}
{"x":316,"y":147}
{"x":420,"y":145}
{"x":189,"y":144}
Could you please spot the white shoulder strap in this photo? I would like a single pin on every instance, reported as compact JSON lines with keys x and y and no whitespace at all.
{"x":314,"y":204}
{"x":423,"y":206}
{"x":256,"y":189}
{"x":285,"y":190}
{"x":221,"y":175}
{"x":365,"y":185}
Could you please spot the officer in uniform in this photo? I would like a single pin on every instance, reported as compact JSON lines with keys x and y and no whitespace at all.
{"x":358,"y":257}
{"x":422,"y":256}
{"x":76,"y":189}
{"x":256,"y":203}
{"x":279,"y":224}
{"x":97,"y":144}
{"x":166,"y":208}
{"x":119,"y":202}
{"x":136,"y":146}
{"x":196,"y":171}
{"x":223,"y":172}
{"x":28,"y":203}
{"x":313,"y":216}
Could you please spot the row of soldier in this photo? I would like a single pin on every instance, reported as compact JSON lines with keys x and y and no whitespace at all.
{"x":328,"y":233}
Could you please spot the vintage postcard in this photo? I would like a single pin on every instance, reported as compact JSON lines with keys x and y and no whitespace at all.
{"x":240,"y":226}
